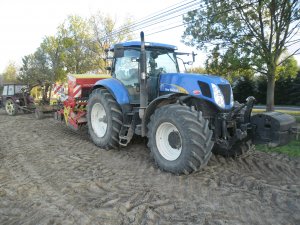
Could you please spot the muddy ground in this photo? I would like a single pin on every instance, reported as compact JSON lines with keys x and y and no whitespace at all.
{"x":51,"y":175}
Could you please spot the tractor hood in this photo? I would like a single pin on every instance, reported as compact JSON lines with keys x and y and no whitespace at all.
{"x":214,"y":89}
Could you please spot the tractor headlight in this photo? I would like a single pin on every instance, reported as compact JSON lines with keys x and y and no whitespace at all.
{"x":231,"y":98}
{"x":218,"y":96}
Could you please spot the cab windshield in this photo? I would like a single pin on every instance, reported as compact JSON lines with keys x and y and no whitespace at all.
{"x":158,"y":61}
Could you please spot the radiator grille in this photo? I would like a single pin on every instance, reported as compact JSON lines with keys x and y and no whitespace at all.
{"x":226,"y":91}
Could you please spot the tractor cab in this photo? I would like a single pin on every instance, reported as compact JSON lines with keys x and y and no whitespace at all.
{"x":160,"y":58}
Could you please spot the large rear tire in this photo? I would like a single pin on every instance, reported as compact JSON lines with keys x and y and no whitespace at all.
{"x":11,"y":107}
{"x":104,"y":119}
{"x":238,"y":149}
{"x":179,"y":139}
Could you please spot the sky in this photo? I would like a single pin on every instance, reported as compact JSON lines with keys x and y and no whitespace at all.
{"x":24,"y":23}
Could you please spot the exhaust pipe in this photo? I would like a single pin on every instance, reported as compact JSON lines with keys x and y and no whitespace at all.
{"x":143,"y":78}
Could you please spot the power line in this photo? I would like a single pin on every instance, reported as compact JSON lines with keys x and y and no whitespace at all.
{"x":152,"y":20}
{"x":217,"y":14}
{"x":156,"y":15}
{"x":179,"y":9}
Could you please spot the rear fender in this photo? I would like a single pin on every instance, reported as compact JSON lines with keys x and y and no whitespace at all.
{"x":273,"y":128}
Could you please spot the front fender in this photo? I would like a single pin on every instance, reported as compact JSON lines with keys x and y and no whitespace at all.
{"x":116,"y":88}
{"x":162,"y":100}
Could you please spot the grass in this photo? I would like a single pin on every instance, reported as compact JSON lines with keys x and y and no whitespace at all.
{"x":292,"y":149}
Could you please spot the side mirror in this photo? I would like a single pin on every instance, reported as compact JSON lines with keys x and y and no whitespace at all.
{"x":193,"y":55}
{"x":108,"y":68}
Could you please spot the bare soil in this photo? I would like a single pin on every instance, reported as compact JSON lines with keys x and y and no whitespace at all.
{"x":52,"y":175}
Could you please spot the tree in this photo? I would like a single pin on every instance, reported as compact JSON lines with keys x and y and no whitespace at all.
{"x":285,"y":76}
{"x":229,"y":65}
{"x":54,"y":52}
{"x":294,"y":93}
{"x":35,"y":68}
{"x":257,"y":32}
{"x":10,"y":73}
{"x":105,"y":34}
{"x":76,"y":34}
{"x":243,"y":88}
{"x":198,"y":70}
{"x":288,"y":68}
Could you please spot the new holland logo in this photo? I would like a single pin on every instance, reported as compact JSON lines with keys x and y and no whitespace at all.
{"x":196,"y":92}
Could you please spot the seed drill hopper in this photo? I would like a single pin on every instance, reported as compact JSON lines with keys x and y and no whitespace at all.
{"x":73,"y":111}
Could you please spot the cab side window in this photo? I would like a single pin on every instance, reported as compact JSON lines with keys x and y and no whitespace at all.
{"x":126,"y":69}
{"x":11,"y":90}
{"x":4,"y":90}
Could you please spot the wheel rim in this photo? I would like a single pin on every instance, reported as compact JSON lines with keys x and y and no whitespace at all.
{"x":99,"y":120}
{"x":168,"y":141}
{"x":9,"y":107}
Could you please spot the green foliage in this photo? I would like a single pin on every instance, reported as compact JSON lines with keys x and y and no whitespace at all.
{"x":283,"y":90}
{"x":261,"y":87}
{"x":243,"y":88}
{"x":105,"y":34}
{"x":55,"y":54}
{"x":76,"y":37}
{"x":292,"y":149}
{"x":10,"y":73}
{"x":288,"y":68}
{"x":229,"y":65}
{"x":294,"y":92}
{"x":245,"y":34}
{"x":198,"y":70}
{"x":78,"y":47}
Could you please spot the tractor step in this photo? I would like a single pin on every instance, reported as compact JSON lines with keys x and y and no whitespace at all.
{"x":125,"y":135}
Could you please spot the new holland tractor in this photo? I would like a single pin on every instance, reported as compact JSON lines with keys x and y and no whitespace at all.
{"x":185,"y":116}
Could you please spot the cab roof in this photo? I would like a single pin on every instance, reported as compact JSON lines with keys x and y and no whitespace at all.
{"x":147,"y":44}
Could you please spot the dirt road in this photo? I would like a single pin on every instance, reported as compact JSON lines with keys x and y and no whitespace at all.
{"x":51,"y":175}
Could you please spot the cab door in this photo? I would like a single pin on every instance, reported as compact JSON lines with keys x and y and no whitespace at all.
{"x":126,"y":70}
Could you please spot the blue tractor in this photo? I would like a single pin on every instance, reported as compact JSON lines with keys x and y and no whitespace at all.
{"x":185,"y":117}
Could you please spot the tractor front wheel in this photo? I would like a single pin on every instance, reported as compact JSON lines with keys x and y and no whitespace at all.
{"x":179,"y":139}
{"x":104,"y":119}
{"x":11,"y":107}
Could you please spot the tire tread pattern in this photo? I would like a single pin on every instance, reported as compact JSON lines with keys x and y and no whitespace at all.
{"x":196,"y":135}
{"x":112,"y":142}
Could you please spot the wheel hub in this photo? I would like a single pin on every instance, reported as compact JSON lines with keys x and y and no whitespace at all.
{"x":174,"y":140}
{"x":99,"y":120}
{"x":168,"y":141}
{"x":9,"y":107}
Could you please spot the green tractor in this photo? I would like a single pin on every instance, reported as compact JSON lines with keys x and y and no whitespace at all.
{"x":185,"y":116}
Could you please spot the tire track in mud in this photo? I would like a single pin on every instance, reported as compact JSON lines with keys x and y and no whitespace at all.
{"x":50,"y":174}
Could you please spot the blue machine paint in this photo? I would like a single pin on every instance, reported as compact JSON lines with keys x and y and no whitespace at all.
{"x":116,"y":88}
{"x":188,"y":84}
{"x":147,"y":44}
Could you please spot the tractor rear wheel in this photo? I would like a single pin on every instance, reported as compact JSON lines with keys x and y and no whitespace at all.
{"x":179,"y":139}
{"x":238,"y":149}
{"x":11,"y":107}
{"x":104,"y":119}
